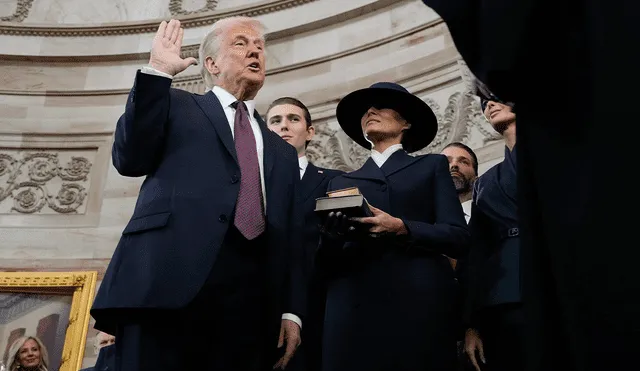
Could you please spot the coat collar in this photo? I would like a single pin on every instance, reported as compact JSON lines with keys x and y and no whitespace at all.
{"x":311,"y":180}
{"x":398,"y":161}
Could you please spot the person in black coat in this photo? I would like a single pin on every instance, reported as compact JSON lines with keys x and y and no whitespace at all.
{"x":494,"y":338}
{"x":290,"y":118}
{"x":562,"y":64}
{"x":392,"y":295}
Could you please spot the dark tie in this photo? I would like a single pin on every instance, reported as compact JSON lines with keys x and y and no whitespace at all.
{"x":249,"y":217}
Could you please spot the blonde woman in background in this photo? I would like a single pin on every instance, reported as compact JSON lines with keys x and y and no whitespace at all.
{"x":29,"y":354}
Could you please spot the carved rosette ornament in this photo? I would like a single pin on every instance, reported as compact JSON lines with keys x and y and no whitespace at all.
{"x":41,"y":169}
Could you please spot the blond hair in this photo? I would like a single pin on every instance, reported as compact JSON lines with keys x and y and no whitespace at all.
{"x":210,"y":45}
{"x":14,"y":353}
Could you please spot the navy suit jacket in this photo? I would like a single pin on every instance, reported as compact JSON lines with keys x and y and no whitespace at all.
{"x":182,"y":143}
{"x":392,"y":301}
{"x":313,"y":185}
{"x":492,"y":272}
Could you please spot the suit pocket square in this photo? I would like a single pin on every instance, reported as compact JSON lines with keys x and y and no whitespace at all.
{"x":147,"y":222}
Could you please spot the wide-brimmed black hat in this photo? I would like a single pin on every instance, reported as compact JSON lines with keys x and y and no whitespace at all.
{"x":424,"y":124}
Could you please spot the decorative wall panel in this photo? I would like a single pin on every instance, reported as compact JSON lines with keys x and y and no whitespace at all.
{"x":52,"y":180}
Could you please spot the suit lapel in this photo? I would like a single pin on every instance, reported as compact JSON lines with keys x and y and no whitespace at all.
{"x":369,"y":171}
{"x":398,"y":161}
{"x":268,"y":151}
{"x":310,"y":181}
{"x":212,"y":108}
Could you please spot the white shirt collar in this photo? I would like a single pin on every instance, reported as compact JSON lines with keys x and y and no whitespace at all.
{"x":303,"y":162}
{"x":227,"y":99}
{"x":466,"y":207}
{"x":381,"y":158}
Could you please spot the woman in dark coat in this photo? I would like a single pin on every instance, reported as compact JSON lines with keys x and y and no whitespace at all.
{"x":391,"y":301}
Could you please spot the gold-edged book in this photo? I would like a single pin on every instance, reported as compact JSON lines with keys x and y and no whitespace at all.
{"x":349,"y":201}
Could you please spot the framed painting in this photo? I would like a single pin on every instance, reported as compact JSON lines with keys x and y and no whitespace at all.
{"x":44,"y":319}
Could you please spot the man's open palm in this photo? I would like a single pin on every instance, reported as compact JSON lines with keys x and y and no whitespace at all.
{"x":165,"y":50}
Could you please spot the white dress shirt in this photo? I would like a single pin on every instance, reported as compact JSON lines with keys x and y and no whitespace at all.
{"x":381,"y":158}
{"x":226,"y":100}
{"x":466,"y":207}
{"x":303,"y":163}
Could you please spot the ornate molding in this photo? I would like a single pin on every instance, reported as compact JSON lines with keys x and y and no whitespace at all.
{"x":21,"y":13}
{"x":194,"y":83}
{"x":36,"y":279}
{"x":32,"y":194}
{"x":176,"y":7}
{"x":188,"y":21}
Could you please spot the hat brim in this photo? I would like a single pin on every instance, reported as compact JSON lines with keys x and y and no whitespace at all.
{"x":424,"y":124}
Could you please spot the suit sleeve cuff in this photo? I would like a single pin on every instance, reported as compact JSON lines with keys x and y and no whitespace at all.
{"x":293,"y":317}
{"x":152,"y":71}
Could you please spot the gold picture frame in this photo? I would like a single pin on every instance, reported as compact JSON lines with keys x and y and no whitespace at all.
{"x":77,"y":288}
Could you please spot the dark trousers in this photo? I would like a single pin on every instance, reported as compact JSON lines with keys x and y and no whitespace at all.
{"x":222,"y":329}
{"x":501,"y":330}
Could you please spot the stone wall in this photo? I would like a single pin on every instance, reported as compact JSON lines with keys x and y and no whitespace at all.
{"x":67,"y":66}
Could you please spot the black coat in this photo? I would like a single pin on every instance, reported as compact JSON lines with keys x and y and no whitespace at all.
{"x":391,"y":303}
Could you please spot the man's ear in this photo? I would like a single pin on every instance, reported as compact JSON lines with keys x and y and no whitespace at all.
{"x":311,"y":131}
{"x":211,"y":66}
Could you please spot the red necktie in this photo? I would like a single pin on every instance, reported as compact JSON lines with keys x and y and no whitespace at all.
{"x":249,"y":216}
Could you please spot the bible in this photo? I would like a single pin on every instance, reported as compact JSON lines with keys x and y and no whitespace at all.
{"x":349,"y":201}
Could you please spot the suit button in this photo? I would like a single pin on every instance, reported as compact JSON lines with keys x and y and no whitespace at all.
{"x":384,"y":187}
{"x":222,"y":218}
{"x":234,"y":179}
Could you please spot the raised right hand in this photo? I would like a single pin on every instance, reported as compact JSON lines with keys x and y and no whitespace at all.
{"x":165,"y":50}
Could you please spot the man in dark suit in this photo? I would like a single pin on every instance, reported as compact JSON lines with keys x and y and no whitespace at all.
{"x":555,"y":61}
{"x":209,"y":258}
{"x":290,"y":118}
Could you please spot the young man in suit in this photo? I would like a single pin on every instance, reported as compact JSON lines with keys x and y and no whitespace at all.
{"x":290,"y":118}
{"x":210,"y":256}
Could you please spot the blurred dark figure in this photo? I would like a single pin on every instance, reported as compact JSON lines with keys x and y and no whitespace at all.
{"x":558,"y":60}
{"x":106,"y":359}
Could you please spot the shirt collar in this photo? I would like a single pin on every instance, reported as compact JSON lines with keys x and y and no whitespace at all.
{"x":381,"y":158}
{"x":303,"y":162}
{"x":226,"y":99}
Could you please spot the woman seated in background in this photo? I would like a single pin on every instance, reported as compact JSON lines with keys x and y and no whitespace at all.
{"x":392,"y":295}
{"x":28,"y":354}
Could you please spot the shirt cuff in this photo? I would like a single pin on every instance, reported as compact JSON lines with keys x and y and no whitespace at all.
{"x":152,"y":71}
{"x":293,"y":317}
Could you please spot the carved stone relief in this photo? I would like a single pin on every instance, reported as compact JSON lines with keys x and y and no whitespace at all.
{"x":21,"y":13}
{"x":176,"y":7}
{"x":44,"y":182}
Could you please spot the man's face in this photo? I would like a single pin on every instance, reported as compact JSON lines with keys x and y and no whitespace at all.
{"x":289,"y":123}
{"x":461,"y":168}
{"x":240,"y":59}
{"x":103,"y":340}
